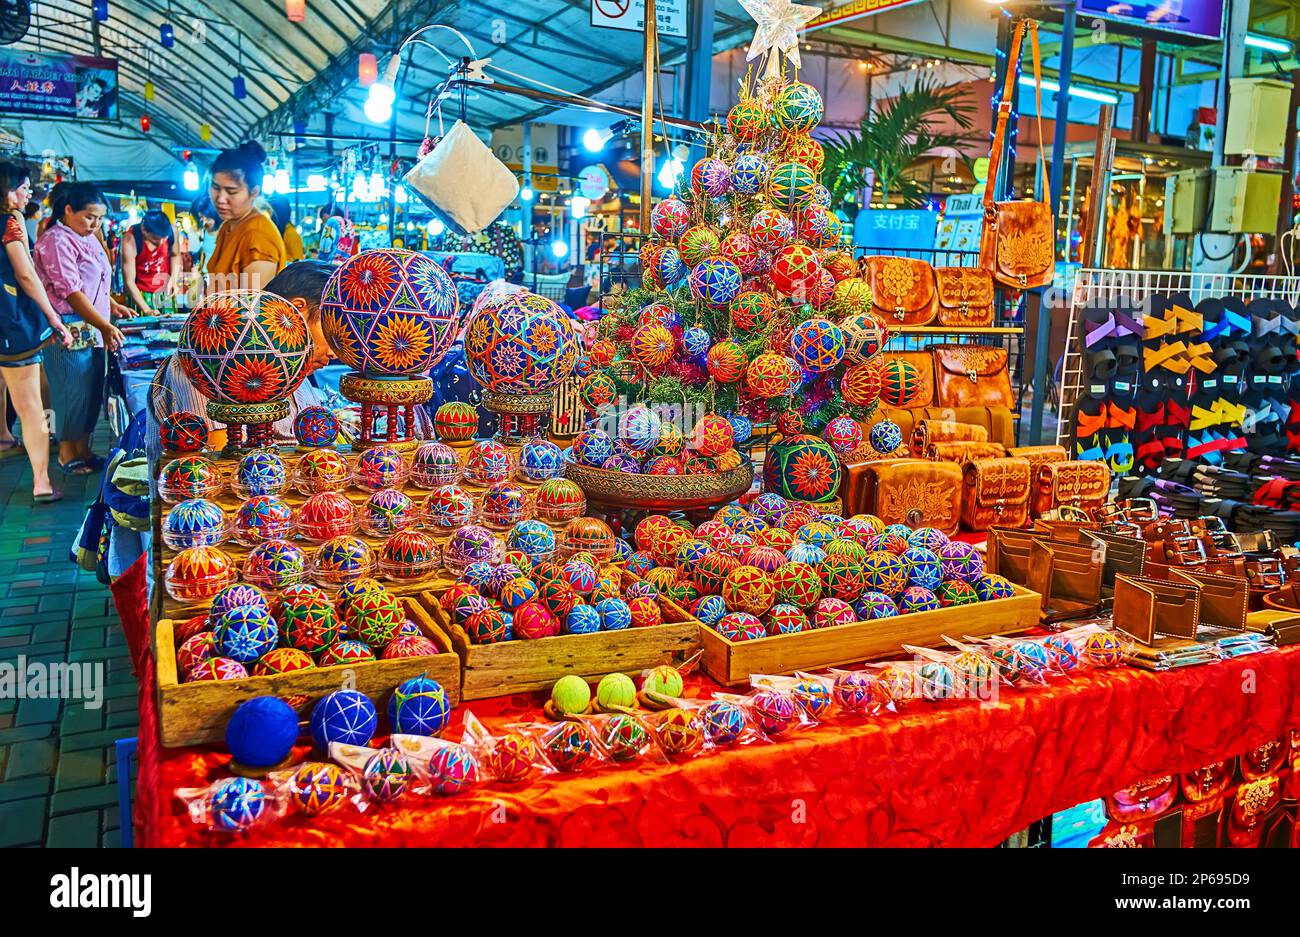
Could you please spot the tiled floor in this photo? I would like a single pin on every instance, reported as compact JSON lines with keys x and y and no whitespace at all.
{"x":59,"y":784}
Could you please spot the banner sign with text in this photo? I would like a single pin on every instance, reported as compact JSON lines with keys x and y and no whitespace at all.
{"x":855,"y":9}
{"x":62,"y":86}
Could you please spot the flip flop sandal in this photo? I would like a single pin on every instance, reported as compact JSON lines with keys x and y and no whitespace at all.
{"x":48,"y":498}
{"x":76,"y":467}
{"x":95,"y":461}
{"x":10,"y":449}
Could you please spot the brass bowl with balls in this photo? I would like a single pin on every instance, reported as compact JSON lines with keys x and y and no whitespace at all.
{"x":661,"y":492}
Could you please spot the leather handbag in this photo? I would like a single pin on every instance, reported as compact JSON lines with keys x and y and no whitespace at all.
{"x":995,"y":493}
{"x":1083,"y":485}
{"x":1018,"y":241}
{"x":1039,"y":455}
{"x":907,"y":380}
{"x":964,"y":451}
{"x":971,"y":376}
{"x":902,"y":290}
{"x":927,"y":431}
{"x":907,"y":491}
{"x":1145,"y":608}
{"x":965,"y":297}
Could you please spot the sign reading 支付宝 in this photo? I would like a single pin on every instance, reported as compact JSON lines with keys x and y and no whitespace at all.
{"x":670,"y":15}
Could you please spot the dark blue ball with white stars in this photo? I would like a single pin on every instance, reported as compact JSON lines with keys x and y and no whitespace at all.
{"x":245,"y":633}
{"x":696,"y":342}
{"x":345,"y":716}
{"x":711,"y":609}
{"x":236,"y":804}
{"x":885,"y":437}
{"x":419,"y":706}
{"x":584,"y":619}
{"x":923,"y":568}
{"x":742,"y":426}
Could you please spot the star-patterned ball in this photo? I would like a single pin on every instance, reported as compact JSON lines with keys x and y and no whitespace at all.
{"x":873,"y":605}
{"x":956,"y":592}
{"x":343,"y":558}
{"x":929,"y":538}
{"x":885,"y":437}
{"x":488,"y":462}
{"x":321,"y":470}
{"x":455,"y":421}
{"x":504,"y":504}
{"x":917,"y":599}
{"x":798,"y":108}
{"x":771,"y":229}
{"x":315,"y":427}
{"x":189,"y":477}
{"x":471,"y":544}
{"x":990,"y":587}
{"x":713,"y":435}
{"x":749,"y":174}
{"x":245,"y":633}
{"x":380,"y":467}
{"x":653,"y":345}
{"x":245,"y":347}
{"x":448,"y":507}
{"x":344,"y":716}
{"x":697,"y":243}
{"x":453,"y":769}
{"x":558,"y":500}
{"x":844,"y":434}
{"x":570,"y":746}
{"x":390,"y":312}
{"x":419,"y":706}
{"x":772,"y":375}
{"x":843,"y":577}
{"x":923,"y":568}
{"x":742,"y":626}
{"x":309,"y":623}
{"x":194,"y":523}
{"x":831,"y":612}
{"x":747,"y":120}
{"x":597,"y":390}
{"x":716,"y":281}
{"x":723,"y":722}
{"x":861,"y":385}
{"x":961,"y":561}
{"x":325,"y":516}
{"x":802,"y":148}
{"x":864,"y":336}
{"x":346,"y":652}
{"x":851,"y":299}
{"x":1103,"y":649}
{"x":640,"y":427}
{"x":901,"y":384}
{"x":236,"y":804}
{"x":670,"y":218}
{"x":669,"y":267}
{"x":533,"y":538}
{"x":318,"y":786}
{"x":727,"y":362}
{"x":791,"y":186}
{"x":183,"y":433}
{"x":786,"y":619}
{"x":435,"y":464}
{"x":748,"y":589}
{"x":794,"y":272}
{"x":261,"y":473}
{"x":283,"y":660}
{"x":524,"y":345}
{"x":593,"y":447}
{"x":407,"y":555}
{"x":884,"y":572}
{"x":741,"y":250}
{"x":892,"y":540}
{"x":752,"y":311}
{"x":802,"y":468}
{"x":710,"y":177}
{"x":696,"y":342}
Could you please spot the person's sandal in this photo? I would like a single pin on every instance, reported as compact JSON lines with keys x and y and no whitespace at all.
{"x":48,"y":498}
{"x":75,"y":467}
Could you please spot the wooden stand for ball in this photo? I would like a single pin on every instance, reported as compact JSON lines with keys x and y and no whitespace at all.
{"x":249,"y":426}
{"x":395,"y":398}
{"x":519,"y":416}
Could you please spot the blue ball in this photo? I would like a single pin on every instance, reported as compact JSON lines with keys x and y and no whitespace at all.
{"x":540,"y":460}
{"x":711,"y":610}
{"x":235,"y":804}
{"x":584,"y":619}
{"x":885,"y":437}
{"x":245,"y":633}
{"x":874,"y":605}
{"x":419,"y":706}
{"x":742,"y":426}
{"x":696,"y":342}
{"x":478,"y":575}
{"x":614,"y":614}
{"x":622,"y":549}
{"x":923,"y":568}
{"x":343,"y":716}
{"x":808,"y":553}
{"x":261,"y":732}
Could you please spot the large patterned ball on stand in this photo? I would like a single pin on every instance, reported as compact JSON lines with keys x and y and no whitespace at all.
{"x":771,"y":229}
{"x":885,"y":437}
{"x":670,"y":218}
{"x":900,"y":383}
{"x":710,"y":177}
{"x":802,"y":468}
{"x":795,"y":270}
{"x":245,"y":347}
{"x":716,"y":281}
{"x":817,"y":344}
{"x":524,"y":345}
{"x":390,"y":312}
{"x":861,"y":384}
{"x":864,"y":336}
{"x":749,"y":174}
{"x":791,"y":186}
{"x":697,"y":243}
{"x":772,"y":375}
{"x":727,"y":362}
{"x":798,"y":108}
{"x":747,"y":120}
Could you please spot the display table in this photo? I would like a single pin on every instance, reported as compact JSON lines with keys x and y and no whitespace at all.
{"x":953,"y":774}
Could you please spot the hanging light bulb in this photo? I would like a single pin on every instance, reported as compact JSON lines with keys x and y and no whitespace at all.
{"x":145,"y":123}
{"x":282,"y":182}
{"x":526,"y":194}
{"x":367,"y":69}
{"x":578,"y":206}
{"x":380,"y":98}
{"x":167,"y":35}
{"x":295,"y":10}
{"x":435,"y":227}
{"x":191,"y":178}
{"x":268,"y":184}
{"x":378,"y":189}
{"x":560,"y":249}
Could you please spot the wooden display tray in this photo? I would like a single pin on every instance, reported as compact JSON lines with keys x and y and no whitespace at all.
{"x":523,"y":666}
{"x":732,"y":662}
{"x":197,"y":713}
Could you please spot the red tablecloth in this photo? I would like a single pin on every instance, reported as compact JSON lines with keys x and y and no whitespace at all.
{"x":953,"y":774}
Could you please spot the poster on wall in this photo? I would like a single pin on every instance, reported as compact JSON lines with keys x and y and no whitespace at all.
{"x":60,"y":86}
{"x":1195,"y":19}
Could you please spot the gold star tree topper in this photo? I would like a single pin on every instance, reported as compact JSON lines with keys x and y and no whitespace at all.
{"x":779,"y":22}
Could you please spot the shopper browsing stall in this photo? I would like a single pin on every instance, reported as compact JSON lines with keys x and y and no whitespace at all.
{"x":249,"y":251}
{"x":151,"y":262}
{"x":74,"y":269}
{"x":280,"y":214}
{"x":27,"y":322}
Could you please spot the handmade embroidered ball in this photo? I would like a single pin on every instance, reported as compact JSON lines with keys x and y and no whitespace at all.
{"x":380,"y":467}
{"x":747,"y":120}
{"x":917,"y":599}
{"x":558,"y":500}
{"x":974,"y":672}
{"x":597,"y":390}
{"x":524,"y":345}
{"x":283,"y":660}
{"x":803,"y":468}
{"x":315,"y":427}
{"x":1033,"y":657}
{"x":748,"y":589}
{"x":861,"y":385}
{"x":710,"y":177}
{"x":900,"y":383}
{"x":803,"y":148}
{"x":790,"y":422}
{"x":321,"y":470}
{"x":814,"y":225}
{"x":771,"y":229}
{"x":198,"y":574}
{"x":885,"y":437}
{"x":344,"y":716}
{"x":723,"y":722}
{"x":864,"y":336}
{"x":874,"y":605}
{"x":653,"y":345}
{"x":923,"y":568}
{"x":471,"y":544}
{"x":308,"y":622}
{"x":318,"y":786}
{"x":936,"y":680}
{"x":189,"y":477}
{"x":991,"y":586}
{"x":786,"y":619}
{"x":590,"y":534}
{"x":841,"y":264}
{"x":956,"y":592}
{"x":488,"y":462}
{"x":768,"y":559}
{"x":749,"y":174}
{"x":194,"y":523}
{"x":325,"y":516}
{"x":570,"y":746}
{"x":795,"y":271}
{"x":844,"y":434}
{"x":961,"y":561}
{"x":455,"y":421}
{"x":797,"y":584}
{"x":540,"y":459}
{"x":419,"y":706}
{"x":832,"y":611}
{"x":1063,"y":651}
{"x":346,"y":652}
{"x":727,"y":362}
{"x":929,"y":538}
{"x":504,"y":504}
{"x":669,"y":268}
{"x":245,"y":347}
{"x":670,"y":218}
{"x":183,"y":432}
{"x":343,"y":558}
{"x":697,"y":243}
{"x":435,"y":464}
{"x":1103,"y":649}
{"x":448,"y":507}
{"x":797,"y":108}
{"x":236,"y":804}
{"x":715,"y":280}
{"x":818,"y":533}
{"x":885,"y":572}
{"x":843,"y":577}
{"x":791,"y":186}
{"x":245,"y":633}
{"x":532,"y":538}
{"x":640,"y":428}
{"x":408,"y":554}
{"x":260,"y":473}
{"x":772,"y":375}
{"x":712,"y":571}
{"x":849,"y":299}
{"x":390,"y":312}
{"x":742,"y":626}
{"x":808,"y":553}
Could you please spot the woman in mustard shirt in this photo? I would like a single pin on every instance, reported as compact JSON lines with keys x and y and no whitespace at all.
{"x":249,"y":250}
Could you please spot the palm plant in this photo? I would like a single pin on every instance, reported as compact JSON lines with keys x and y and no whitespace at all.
{"x":893,"y":138}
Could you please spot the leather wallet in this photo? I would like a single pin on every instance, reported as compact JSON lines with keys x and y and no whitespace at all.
{"x":902,"y":290}
{"x":1008,"y":553}
{"x":1145,"y":608}
{"x":1125,"y":555}
{"x":995,"y":493}
{"x":1225,"y":600}
{"x":1067,"y":576}
{"x":907,"y":491}
{"x":1067,"y":531}
{"x":927,"y":431}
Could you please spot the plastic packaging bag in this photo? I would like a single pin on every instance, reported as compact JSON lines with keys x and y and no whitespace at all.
{"x":233,"y":805}
{"x":509,"y":758}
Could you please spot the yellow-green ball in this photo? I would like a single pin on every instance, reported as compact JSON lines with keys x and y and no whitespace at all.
{"x":663,"y":680}
{"x":616,"y":689}
{"x":571,"y":695}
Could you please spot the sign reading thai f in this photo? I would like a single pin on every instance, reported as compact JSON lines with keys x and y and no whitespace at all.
{"x":630,"y":14}
{"x":855,"y":9}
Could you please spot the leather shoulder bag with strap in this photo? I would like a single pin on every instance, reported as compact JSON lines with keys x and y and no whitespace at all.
{"x":1018,"y":243}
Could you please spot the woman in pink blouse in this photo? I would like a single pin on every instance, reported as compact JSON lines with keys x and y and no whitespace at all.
{"x":75,"y":271}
